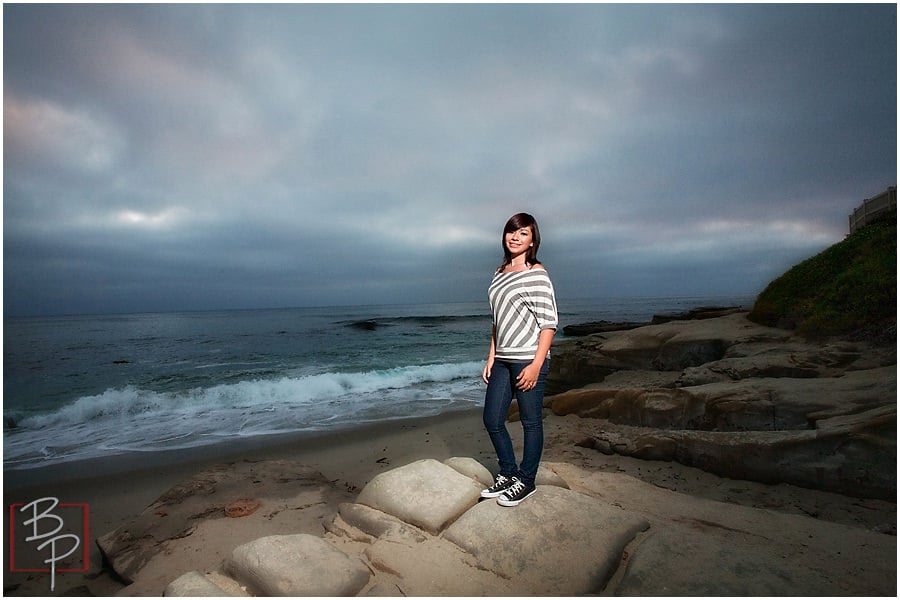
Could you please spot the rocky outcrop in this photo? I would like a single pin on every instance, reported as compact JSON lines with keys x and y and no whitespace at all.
{"x":699,"y":547}
{"x":601,"y":327}
{"x":582,"y":533}
{"x":705,"y":312}
{"x":672,"y":346}
{"x":738,"y":400}
{"x":422,"y":529}
{"x":702,"y":312}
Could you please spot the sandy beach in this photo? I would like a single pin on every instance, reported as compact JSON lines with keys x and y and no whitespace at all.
{"x":119,"y":489}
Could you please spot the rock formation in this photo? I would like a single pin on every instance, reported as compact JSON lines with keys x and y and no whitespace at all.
{"x":739,"y":400}
{"x":582,"y":533}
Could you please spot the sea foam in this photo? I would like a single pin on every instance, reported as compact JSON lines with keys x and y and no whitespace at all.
{"x":131,"y":418}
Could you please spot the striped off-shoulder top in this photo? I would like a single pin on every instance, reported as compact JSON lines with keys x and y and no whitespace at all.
{"x":523,"y":304}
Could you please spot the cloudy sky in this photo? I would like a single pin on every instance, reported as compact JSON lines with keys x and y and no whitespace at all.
{"x":182,"y":157}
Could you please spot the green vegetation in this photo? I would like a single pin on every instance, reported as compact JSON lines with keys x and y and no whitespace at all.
{"x":848,"y":289}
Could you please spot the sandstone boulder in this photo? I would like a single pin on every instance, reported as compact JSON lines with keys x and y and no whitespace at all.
{"x":471,"y":468}
{"x":296,"y":565}
{"x":377,"y":524}
{"x":555,"y":526}
{"x":193,"y":584}
{"x":425,"y":493}
{"x":573,"y":542}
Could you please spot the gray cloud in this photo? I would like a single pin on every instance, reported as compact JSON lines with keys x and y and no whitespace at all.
{"x":162,"y":157}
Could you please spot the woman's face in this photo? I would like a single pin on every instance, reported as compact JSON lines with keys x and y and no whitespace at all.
{"x":518,"y":241}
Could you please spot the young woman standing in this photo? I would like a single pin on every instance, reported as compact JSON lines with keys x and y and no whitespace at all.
{"x":525,"y":320}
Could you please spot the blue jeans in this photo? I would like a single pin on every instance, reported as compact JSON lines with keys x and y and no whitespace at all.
{"x":500,"y":392}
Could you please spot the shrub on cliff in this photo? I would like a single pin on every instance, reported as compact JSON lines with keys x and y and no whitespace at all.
{"x":850,"y":288}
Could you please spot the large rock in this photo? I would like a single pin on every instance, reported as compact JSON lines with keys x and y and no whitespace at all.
{"x":659,"y":407}
{"x":835,"y":434}
{"x":471,"y":468}
{"x":425,"y":493}
{"x":193,"y":584}
{"x":557,"y":542}
{"x":377,"y":524}
{"x":684,"y":560}
{"x":296,"y":565}
{"x":701,"y":547}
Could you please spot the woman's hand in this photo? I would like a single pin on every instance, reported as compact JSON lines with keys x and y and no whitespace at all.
{"x":486,"y":372}
{"x":528,"y":378}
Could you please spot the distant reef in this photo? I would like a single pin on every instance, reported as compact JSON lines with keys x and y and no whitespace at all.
{"x":703,"y":312}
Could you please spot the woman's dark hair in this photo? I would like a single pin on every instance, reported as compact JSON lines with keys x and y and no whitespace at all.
{"x":516,"y":222}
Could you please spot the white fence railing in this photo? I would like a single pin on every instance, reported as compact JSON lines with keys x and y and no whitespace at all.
{"x":871,"y":208}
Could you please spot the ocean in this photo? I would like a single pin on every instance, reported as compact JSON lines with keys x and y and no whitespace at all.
{"x":81,"y":387}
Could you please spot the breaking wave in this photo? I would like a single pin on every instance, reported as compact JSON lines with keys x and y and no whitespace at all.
{"x":131,"y":418}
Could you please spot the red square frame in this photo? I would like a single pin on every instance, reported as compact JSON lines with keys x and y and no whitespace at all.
{"x":85,"y":537}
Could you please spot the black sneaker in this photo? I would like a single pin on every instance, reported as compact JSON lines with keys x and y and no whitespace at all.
{"x":517,"y":492}
{"x":501,"y":483}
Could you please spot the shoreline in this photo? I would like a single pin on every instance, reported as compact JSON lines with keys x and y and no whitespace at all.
{"x":235,"y":448}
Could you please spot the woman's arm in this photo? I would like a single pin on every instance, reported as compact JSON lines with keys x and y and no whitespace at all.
{"x":486,"y":372}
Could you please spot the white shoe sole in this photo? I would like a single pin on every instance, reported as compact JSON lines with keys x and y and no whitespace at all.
{"x":487,"y":494}
{"x":504,"y":501}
